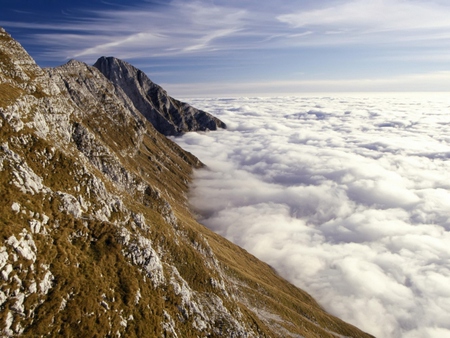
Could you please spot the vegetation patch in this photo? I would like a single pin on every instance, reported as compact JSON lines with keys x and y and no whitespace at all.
{"x":8,"y":94}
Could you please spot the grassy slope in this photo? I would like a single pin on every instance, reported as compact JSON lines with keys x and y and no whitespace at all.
{"x":95,"y":287}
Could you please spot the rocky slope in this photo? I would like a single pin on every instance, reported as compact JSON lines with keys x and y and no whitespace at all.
{"x":168,"y":116}
{"x":96,"y":239}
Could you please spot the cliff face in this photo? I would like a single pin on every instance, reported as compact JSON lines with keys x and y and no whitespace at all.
{"x":95,"y":235}
{"x":168,"y":116}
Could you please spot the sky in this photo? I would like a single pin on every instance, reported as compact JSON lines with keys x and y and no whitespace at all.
{"x":221,"y":48}
{"x":347,"y":197}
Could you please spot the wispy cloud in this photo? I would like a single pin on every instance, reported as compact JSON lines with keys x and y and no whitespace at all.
{"x":384,"y":21}
{"x":181,"y":27}
{"x":186,"y":27}
{"x":374,"y":15}
{"x":255,"y":44}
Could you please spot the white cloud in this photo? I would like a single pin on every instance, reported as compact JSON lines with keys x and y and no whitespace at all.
{"x":347,"y":197}
{"x":370,"y":16}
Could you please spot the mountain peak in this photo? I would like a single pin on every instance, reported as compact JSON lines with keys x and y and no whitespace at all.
{"x":168,"y":115}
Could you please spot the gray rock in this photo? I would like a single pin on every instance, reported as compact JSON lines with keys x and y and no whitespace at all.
{"x":168,"y":115}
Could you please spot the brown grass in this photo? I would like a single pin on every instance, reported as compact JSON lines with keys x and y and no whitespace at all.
{"x":8,"y":94}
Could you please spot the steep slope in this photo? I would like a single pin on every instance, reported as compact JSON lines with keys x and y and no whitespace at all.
{"x":168,"y":116}
{"x":96,"y":238}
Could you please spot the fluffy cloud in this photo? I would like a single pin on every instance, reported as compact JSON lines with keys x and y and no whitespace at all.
{"x":347,"y":197}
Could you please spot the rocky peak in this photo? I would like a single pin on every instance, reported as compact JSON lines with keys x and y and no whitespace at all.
{"x":20,"y":74}
{"x":168,"y":115}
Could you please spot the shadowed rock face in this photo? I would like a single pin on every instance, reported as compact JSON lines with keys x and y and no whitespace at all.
{"x":168,"y":115}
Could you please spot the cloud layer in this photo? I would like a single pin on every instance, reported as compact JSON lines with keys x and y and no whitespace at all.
{"x":347,"y":197}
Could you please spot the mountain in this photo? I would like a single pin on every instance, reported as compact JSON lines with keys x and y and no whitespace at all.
{"x":96,"y":237}
{"x":168,"y":116}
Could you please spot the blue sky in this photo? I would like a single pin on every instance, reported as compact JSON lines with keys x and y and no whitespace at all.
{"x":217,"y":47}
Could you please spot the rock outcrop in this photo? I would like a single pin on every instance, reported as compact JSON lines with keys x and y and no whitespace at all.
{"x":168,"y":116}
{"x":96,"y":239}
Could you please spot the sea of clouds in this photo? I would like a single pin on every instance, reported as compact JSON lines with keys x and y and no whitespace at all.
{"x":348,"y":197}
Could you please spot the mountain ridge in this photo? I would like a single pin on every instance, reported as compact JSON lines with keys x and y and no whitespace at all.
{"x":96,"y":235}
{"x":168,"y":115}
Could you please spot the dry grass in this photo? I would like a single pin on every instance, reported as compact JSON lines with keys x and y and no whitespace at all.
{"x":95,"y":285}
{"x":8,"y":94}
